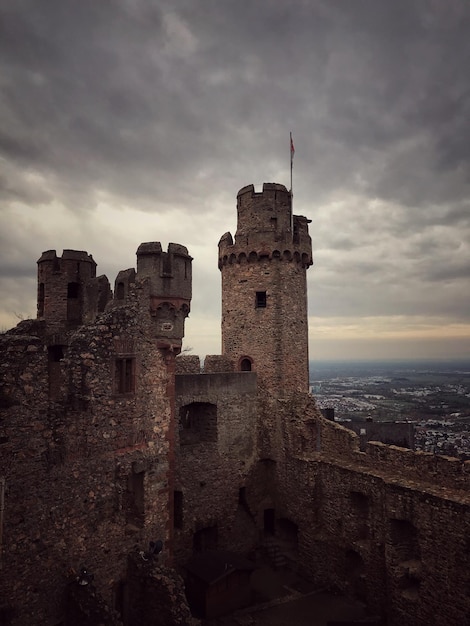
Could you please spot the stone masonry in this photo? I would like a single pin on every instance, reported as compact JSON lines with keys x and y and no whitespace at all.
{"x":109,"y":441}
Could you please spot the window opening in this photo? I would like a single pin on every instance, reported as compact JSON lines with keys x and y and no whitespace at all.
{"x":73,"y":302}
{"x":245,"y":365}
{"x":125,"y":375}
{"x":73,"y":290}
{"x":269,"y":521}
{"x":41,"y":300}
{"x":135,"y":491}
{"x":260,"y":299}
{"x":178,"y":509}
{"x":55,"y":354}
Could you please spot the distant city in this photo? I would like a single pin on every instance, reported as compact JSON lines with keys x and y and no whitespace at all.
{"x":432,"y":397}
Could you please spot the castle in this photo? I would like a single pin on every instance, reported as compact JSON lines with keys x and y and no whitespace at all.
{"x":110,"y":439}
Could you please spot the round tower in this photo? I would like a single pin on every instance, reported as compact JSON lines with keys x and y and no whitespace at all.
{"x":264,"y":289}
{"x":61,"y":283}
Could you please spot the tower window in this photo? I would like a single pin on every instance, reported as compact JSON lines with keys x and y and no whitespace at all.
{"x":120,"y":291}
{"x":260,"y":299}
{"x":245,"y":365}
{"x":125,"y":375}
{"x":73,"y":290}
{"x":135,"y":499}
{"x":73,"y":303}
{"x":178,"y":509}
{"x":41,"y":300}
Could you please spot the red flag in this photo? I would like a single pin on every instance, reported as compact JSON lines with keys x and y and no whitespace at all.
{"x":292,"y":149}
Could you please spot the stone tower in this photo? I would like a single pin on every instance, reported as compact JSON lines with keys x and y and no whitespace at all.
{"x":170,"y":275}
{"x":264,"y":289}
{"x":61,"y":293}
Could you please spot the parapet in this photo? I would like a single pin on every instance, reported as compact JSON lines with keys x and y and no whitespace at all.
{"x":76,"y":262}
{"x":218,"y":363}
{"x":188,"y":364}
{"x":69,"y":255}
{"x":61,"y":283}
{"x":424,"y":468}
{"x":169,"y":272}
{"x":266,"y":228}
{"x":267,"y":212}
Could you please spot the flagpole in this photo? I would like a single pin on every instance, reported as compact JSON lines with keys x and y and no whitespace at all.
{"x":291,"y":146}
{"x":292,"y":151}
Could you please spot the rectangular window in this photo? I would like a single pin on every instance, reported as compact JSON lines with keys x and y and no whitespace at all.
{"x":178,"y":509}
{"x":136,"y":499}
{"x":41,"y":300}
{"x":125,"y":375}
{"x":260,"y":299}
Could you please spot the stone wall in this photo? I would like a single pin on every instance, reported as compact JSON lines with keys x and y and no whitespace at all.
{"x":86,"y":467}
{"x":396,"y":539}
{"x":211,"y":474}
{"x":87,"y":430}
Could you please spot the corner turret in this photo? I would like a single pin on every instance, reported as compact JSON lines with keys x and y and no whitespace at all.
{"x":170,"y":278}
{"x":61,"y":293}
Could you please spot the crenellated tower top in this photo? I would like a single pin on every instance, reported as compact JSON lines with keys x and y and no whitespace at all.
{"x":61,"y":282}
{"x":267,"y":228}
{"x":170,"y":276}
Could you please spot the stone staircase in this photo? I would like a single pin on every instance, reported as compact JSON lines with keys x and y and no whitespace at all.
{"x":279,"y":553}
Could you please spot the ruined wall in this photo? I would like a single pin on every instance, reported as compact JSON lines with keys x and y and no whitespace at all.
{"x":388,"y":526}
{"x":87,"y":430}
{"x":86,"y":470}
{"x":215,"y":449}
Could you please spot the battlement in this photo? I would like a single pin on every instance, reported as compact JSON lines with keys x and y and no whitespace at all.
{"x":268,"y":189}
{"x":61,"y":264}
{"x":266,"y":228}
{"x":61,"y":283}
{"x":336,"y":442}
{"x":70,"y":294}
{"x":169,"y":272}
{"x":266,"y":213}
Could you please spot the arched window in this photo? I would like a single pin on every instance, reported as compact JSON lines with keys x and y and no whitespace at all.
{"x":245,"y":365}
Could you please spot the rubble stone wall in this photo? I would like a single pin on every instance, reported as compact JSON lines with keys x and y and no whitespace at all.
{"x":210,"y":474}
{"x":398,"y":539}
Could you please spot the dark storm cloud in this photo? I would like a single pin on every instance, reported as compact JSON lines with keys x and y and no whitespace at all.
{"x":180,"y":103}
{"x":93,"y":89}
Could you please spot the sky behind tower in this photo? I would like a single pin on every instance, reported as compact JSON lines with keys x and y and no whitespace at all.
{"x":134,"y":120}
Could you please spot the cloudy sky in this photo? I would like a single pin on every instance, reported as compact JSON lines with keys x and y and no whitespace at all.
{"x":123,"y":121}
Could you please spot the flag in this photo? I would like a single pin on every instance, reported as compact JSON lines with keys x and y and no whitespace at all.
{"x":292,"y":149}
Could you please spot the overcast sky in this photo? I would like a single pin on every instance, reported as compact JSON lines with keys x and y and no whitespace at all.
{"x":123,"y":121}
